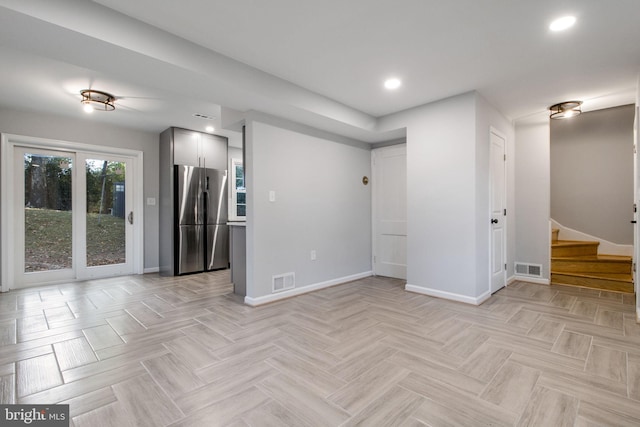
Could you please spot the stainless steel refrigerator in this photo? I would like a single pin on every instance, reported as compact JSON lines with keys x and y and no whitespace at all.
{"x":202,"y":233}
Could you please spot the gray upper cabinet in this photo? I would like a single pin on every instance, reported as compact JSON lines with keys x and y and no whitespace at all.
{"x":186,"y":147}
{"x":198,"y":149}
{"x":213,"y":149}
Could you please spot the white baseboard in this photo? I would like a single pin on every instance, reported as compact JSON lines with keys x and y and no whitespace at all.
{"x":151,"y":270}
{"x":540,"y":281}
{"x":254,"y":302}
{"x":448,"y":295}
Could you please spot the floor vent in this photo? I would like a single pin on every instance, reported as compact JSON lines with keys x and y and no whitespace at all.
{"x":533,"y":270}
{"x":282,"y":282}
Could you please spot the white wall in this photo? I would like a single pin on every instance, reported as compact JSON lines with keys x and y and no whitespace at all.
{"x":448,"y":194}
{"x":320,"y":204}
{"x":532,"y":192}
{"x":86,"y":131}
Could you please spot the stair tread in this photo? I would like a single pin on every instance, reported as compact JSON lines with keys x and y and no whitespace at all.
{"x":595,"y":258}
{"x":562,"y":243}
{"x":617,"y":277}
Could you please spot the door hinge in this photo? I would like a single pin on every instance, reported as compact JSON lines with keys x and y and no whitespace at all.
{"x":374,"y":259}
{"x":505,"y":266}
{"x":505,"y":157}
{"x":635,"y":208}
{"x":634,"y":267}
{"x":504,"y":212}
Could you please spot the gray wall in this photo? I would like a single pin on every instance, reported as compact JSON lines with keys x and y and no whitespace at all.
{"x":321,"y":204}
{"x":532,"y":192}
{"x":592,"y":173}
{"x":87,"y":131}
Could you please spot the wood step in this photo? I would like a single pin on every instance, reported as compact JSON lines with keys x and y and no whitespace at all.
{"x":554,"y":235}
{"x":592,"y":264}
{"x":570,"y":248}
{"x":609,"y":282}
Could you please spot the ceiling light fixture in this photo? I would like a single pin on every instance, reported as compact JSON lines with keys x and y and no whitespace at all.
{"x":209,"y":129}
{"x":97,"y":100}
{"x":565,"y":110}
{"x":563,"y":23}
{"x":392,"y":83}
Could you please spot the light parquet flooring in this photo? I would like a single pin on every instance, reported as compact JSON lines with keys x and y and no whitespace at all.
{"x":155,"y":351}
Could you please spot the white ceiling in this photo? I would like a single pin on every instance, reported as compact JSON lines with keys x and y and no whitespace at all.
{"x":321,"y":63}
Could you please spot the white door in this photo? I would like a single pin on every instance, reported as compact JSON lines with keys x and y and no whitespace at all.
{"x":498,"y":211}
{"x":389,"y":166}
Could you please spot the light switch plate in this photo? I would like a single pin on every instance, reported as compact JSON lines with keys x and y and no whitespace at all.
{"x":272,"y":196}
{"x":151,"y":201}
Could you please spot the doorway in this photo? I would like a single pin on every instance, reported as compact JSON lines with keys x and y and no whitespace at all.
{"x":68,"y":212}
{"x":593,"y":199}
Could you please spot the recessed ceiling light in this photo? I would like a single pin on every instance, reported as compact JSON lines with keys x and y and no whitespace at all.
{"x":209,"y":128}
{"x":563,"y":23}
{"x":392,"y":83}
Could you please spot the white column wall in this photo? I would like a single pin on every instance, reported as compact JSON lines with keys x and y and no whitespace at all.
{"x":447,"y":200}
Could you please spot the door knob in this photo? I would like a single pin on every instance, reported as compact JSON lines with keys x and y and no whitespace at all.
{"x":633,"y":222}
{"x":494,"y":221}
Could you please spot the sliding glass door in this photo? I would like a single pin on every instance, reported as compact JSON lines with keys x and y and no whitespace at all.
{"x":73,"y":216}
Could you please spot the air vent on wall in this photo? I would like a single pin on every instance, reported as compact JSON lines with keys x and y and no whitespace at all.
{"x":282,"y":282}
{"x":533,"y":270}
{"x":203,"y":116}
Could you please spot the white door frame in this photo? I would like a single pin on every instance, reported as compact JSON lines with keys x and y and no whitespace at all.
{"x":504,"y":218}
{"x":8,"y":144}
{"x":636,"y":197}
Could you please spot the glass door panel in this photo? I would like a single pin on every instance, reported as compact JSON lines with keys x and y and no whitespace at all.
{"x":106,"y":212}
{"x":48,"y":222}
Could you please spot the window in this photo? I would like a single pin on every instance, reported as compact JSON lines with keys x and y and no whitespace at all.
{"x":238,"y":193}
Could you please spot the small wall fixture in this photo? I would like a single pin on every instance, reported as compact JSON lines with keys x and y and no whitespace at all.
{"x":97,"y":100}
{"x":564,"y":110}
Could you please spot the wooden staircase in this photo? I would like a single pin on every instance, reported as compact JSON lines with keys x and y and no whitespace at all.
{"x":578,"y":263}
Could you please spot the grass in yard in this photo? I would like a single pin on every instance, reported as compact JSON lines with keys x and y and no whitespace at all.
{"x":48,"y":243}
